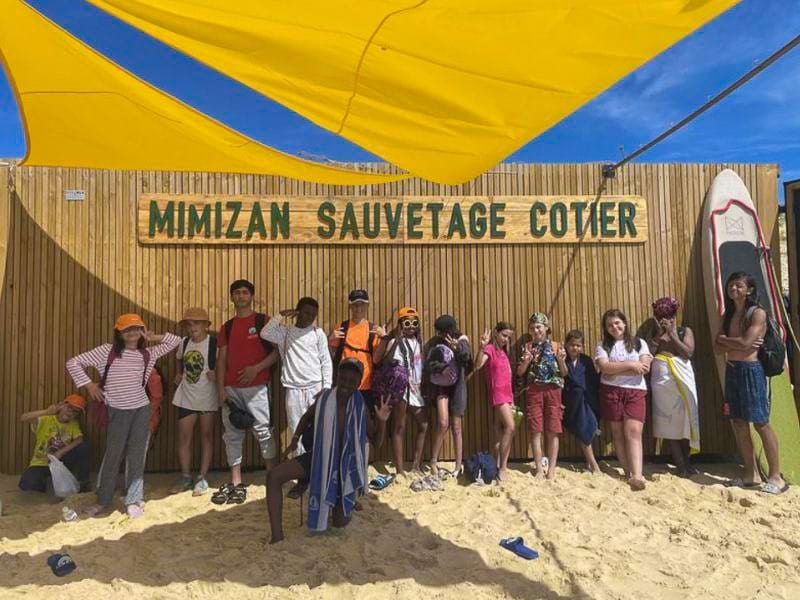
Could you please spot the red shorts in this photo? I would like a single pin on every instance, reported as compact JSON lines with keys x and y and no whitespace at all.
{"x":618,"y":403}
{"x":543,"y":408}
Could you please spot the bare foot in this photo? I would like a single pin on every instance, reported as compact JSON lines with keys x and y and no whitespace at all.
{"x":539,"y":474}
{"x":502,"y":474}
{"x":637,"y":484}
{"x":434,"y":470}
{"x":551,"y":473}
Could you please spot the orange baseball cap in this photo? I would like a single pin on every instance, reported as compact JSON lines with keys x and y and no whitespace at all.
{"x":77,"y":401}
{"x":407,"y":311}
{"x":128,"y":320}
{"x":195,"y":314}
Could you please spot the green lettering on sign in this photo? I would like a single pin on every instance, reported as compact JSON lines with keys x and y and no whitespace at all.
{"x":218,"y":220}
{"x":232,"y":233}
{"x":537,"y":231}
{"x":349,"y":223}
{"x":325,"y":214}
{"x":627,"y":214}
{"x":558,"y":219}
{"x":372,"y":229}
{"x":198,"y":224}
{"x":457,"y":222}
{"x":280,"y":220}
{"x":477,"y":222}
{"x":496,"y":221}
{"x":162,"y":220}
{"x":181,"y":218}
{"x":393,"y":219}
{"x":607,"y":220}
{"x":413,"y":220}
{"x":577,"y":208}
{"x":435,"y":208}
{"x":256,"y":223}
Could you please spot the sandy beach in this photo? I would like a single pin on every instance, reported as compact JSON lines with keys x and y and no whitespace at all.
{"x":677,"y":539}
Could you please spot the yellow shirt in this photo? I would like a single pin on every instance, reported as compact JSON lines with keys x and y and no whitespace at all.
{"x":52,"y":435}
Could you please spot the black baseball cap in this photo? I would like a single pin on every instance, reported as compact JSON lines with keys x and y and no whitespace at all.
{"x":358,"y":296}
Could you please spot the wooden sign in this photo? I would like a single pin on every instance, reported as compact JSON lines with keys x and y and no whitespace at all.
{"x":213,"y":219}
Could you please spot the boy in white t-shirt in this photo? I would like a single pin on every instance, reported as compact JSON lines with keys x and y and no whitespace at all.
{"x":196,"y":398}
{"x":306,"y":361}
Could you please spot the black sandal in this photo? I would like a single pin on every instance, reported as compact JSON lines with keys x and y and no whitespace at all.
{"x":222,"y":495}
{"x":238,"y":494}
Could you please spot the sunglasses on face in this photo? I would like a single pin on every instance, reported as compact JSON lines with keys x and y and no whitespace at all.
{"x":409,"y":323}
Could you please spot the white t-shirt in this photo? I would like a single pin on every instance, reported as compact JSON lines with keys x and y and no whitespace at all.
{"x":304,"y":353}
{"x":413,"y":361}
{"x":196,"y":391}
{"x":620,"y":354}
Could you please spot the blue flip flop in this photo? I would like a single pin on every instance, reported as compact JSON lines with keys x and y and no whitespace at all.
{"x":518,"y":547}
{"x":381,"y":482}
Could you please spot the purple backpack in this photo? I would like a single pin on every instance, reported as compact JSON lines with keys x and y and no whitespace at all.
{"x":391,"y":379}
{"x":444,"y":370}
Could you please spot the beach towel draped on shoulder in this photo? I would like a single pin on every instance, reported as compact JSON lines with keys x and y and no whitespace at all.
{"x":675,"y":414}
{"x":339,"y":464}
{"x":580,"y":399}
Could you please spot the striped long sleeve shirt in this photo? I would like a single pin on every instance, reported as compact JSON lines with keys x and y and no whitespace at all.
{"x":123,"y":388}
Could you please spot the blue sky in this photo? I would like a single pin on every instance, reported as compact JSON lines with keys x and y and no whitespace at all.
{"x":759,"y":123}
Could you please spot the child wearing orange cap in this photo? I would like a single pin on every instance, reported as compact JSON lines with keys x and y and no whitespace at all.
{"x":403,"y":346}
{"x":125,"y":367}
{"x":58,"y":434}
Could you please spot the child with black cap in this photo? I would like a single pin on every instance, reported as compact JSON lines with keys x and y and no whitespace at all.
{"x":448,"y":362}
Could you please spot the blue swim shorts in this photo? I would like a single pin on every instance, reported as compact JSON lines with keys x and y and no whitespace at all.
{"x":746,"y":392}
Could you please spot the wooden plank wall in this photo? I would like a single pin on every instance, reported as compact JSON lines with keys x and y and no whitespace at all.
{"x":71,"y":267}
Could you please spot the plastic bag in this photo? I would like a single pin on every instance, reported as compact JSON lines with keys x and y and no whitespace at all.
{"x":64,"y":482}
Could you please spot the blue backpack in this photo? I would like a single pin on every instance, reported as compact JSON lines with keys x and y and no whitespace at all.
{"x":481,"y":466}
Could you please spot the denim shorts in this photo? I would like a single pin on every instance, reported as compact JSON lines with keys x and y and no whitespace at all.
{"x":746,"y":392}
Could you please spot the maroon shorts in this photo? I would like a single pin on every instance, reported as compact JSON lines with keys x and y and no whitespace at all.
{"x":618,"y":403}
{"x":543,"y":409}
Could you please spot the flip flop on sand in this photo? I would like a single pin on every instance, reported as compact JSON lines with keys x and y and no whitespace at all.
{"x":381,"y":482}
{"x":745,"y":485}
{"x":773,"y":489}
{"x":518,"y":547}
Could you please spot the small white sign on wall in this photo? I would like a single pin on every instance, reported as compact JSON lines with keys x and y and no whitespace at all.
{"x":75,"y":195}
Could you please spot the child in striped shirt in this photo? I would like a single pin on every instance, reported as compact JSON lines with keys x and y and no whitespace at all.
{"x":125,"y":367}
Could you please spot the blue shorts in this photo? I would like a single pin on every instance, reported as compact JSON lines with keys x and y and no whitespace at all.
{"x":746,"y":392}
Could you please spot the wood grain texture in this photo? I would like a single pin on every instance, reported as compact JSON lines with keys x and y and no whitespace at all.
{"x":72,"y":267}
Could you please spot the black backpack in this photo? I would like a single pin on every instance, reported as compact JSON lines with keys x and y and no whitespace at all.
{"x":212,"y":349}
{"x":772,"y":354}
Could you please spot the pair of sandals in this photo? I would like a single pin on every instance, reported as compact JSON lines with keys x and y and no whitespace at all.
{"x":429,"y":483}
{"x":766,"y":487}
{"x":230,"y":494}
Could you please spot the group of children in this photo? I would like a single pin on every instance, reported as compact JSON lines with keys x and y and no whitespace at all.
{"x":399,"y":375}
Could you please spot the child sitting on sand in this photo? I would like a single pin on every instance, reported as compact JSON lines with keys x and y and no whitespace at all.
{"x":334,"y":431}
{"x":624,"y":360}
{"x":494,"y":354}
{"x":580,"y":397}
{"x":196,"y":398}
{"x":58,"y":434}
{"x":125,"y":367}
{"x":543,"y":366}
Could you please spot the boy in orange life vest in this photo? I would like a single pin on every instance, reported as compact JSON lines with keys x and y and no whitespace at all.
{"x":357,"y":338}
{"x":244,"y":365}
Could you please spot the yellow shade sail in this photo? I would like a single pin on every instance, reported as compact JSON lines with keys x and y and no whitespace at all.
{"x":81,"y":110}
{"x":442,"y":88}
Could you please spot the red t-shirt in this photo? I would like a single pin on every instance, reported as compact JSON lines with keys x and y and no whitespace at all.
{"x":244,"y":350}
